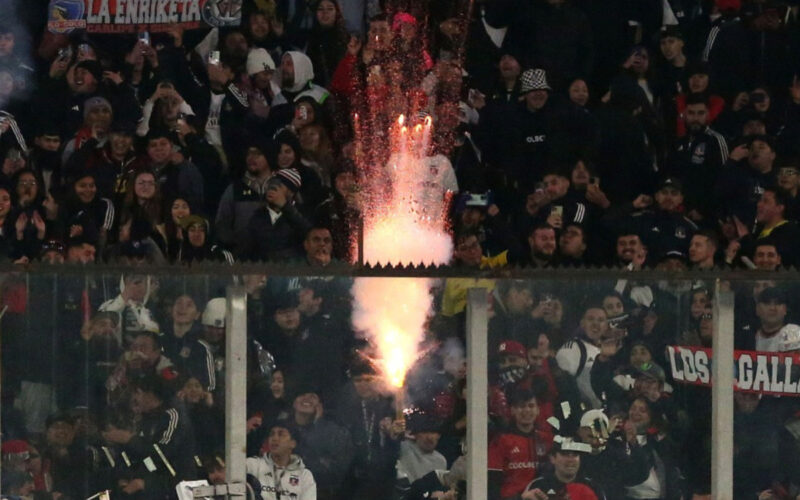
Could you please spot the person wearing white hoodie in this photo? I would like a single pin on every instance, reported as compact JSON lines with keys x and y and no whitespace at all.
{"x":296,"y":75}
{"x":280,"y":472}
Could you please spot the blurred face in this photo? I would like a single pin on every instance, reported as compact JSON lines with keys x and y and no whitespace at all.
{"x":639,"y":415}
{"x":519,"y":300}
{"x":556,"y":186}
{"x":701,"y":249}
{"x":287,"y":71}
{"x":613,"y":306}
{"x":580,"y":175}
{"x":60,"y":434}
{"x":771,"y":314}
{"x":319,"y":245}
{"x":159,"y":150}
{"x":640,"y":355}
{"x":536,"y":99}
{"x":184,"y":310}
{"x":197,"y":235}
{"x":698,"y":83}
{"x":27,"y":189}
{"x":468,"y":251}
{"x":85,"y":189}
{"x":699,"y":302}
{"x":256,"y":162}
{"x":669,"y":199}
{"x":286,"y":156}
{"x":579,"y":92}
{"x":121,"y":144}
{"x":146,"y":348}
{"x":509,"y":67}
{"x":789,"y":179}
{"x":236,"y":44}
{"x":5,"y":203}
{"x":379,"y":36}
{"x":307,"y":404}
{"x":696,"y":117}
{"x":671,"y":47}
{"x":179,"y":210}
{"x":287,"y":319}
{"x":365,"y":386}
{"x":526,"y":413}
{"x":83,"y":82}
{"x":640,"y":61}
{"x":82,"y":254}
{"x":6,"y":83}
{"x":768,"y":210}
{"x":276,"y":385}
{"x":309,"y":139}
{"x":766,"y":257}
{"x":145,"y":186}
{"x":214,"y":335}
{"x":193,"y":391}
{"x":99,"y":116}
{"x":275,"y":190}
{"x":543,"y":241}
{"x":594,"y":323}
{"x":628,"y":247}
{"x":761,"y":155}
{"x":326,"y":13}
{"x":746,"y":402}
{"x":427,"y":441}
{"x":566,"y":464}
{"x":6,"y":44}
{"x":763,"y":97}
{"x":281,"y":442}
{"x":259,"y":26}
{"x":48,"y":142}
{"x":571,"y":242}
{"x":512,"y":361}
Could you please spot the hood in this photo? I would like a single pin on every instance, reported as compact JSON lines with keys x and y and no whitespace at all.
{"x":303,"y":70}
{"x":295,"y":463}
{"x":147,"y":293}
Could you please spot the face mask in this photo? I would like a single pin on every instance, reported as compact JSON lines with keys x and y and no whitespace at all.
{"x":512,"y":374}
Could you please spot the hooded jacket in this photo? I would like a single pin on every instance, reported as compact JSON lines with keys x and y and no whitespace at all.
{"x":303,"y":84}
{"x":294,"y":482}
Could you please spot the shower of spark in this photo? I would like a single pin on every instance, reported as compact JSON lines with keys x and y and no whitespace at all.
{"x":403,"y":229}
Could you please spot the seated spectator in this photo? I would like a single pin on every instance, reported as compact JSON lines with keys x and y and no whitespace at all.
{"x":196,"y":243}
{"x":565,"y":478}
{"x":279,"y":456}
{"x":163,"y":430}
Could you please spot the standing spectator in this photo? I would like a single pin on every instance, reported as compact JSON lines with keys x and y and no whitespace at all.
{"x":747,"y":173}
{"x":577,"y":356}
{"x":418,"y":455}
{"x":565,"y":479}
{"x":327,"y":42}
{"x":276,"y":231}
{"x":175,"y":173}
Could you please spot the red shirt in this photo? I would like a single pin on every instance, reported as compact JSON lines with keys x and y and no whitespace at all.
{"x":516,"y":455}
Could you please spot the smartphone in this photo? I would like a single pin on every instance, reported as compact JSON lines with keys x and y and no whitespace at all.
{"x":302,"y":113}
{"x":213,"y":57}
{"x":144,"y":37}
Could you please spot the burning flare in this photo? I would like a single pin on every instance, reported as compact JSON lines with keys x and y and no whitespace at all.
{"x":407,"y":227}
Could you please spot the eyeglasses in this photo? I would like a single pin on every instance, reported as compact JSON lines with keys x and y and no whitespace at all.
{"x":27,"y":183}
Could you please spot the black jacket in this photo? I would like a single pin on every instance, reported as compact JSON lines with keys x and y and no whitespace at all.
{"x":281,"y":240}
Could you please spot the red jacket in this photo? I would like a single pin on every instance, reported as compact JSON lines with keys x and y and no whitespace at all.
{"x":518,"y":456}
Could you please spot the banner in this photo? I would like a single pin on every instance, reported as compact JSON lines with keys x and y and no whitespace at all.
{"x":136,"y":16}
{"x":773,"y":373}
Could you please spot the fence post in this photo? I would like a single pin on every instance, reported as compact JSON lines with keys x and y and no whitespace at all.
{"x":722,"y":396}
{"x":477,"y":393}
{"x":235,"y":386}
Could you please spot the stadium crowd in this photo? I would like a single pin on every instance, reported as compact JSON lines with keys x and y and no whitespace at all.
{"x":661,"y":134}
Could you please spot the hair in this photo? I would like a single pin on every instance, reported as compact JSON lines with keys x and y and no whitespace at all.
{"x":781,"y":196}
{"x":463,"y":234}
{"x":712,"y":236}
{"x":151,"y":210}
{"x":539,"y":226}
{"x":519,"y":397}
{"x":696,"y":98}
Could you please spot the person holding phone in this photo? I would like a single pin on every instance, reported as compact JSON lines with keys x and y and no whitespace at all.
{"x":565,"y":481}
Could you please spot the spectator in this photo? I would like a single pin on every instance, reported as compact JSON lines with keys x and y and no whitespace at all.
{"x":418,"y":455}
{"x":196,"y":245}
{"x":280,"y":455}
{"x":565,"y":478}
{"x":577,"y":356}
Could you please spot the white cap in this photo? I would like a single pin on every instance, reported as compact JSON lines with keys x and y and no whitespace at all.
{"x":588,"y":419}
{"x":790,"y":338}
{"x":214,"y":313}
{"x":259,"y":60}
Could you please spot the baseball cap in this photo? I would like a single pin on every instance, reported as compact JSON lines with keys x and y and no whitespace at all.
{"x":259,"y":60}
{"x":671,"y":31}
{"x":214,"y":313}
{"x":511,"y":348}
{"x":672,"y":182}
{"x":651,"y":370}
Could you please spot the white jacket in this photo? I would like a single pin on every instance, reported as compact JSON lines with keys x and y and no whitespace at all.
{"x":294,"y":482}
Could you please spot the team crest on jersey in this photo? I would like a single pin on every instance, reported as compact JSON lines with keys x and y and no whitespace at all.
{"x":699,"y":153}
{"x":680,"y":232}
{"x":294,"y":480}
